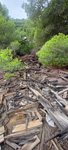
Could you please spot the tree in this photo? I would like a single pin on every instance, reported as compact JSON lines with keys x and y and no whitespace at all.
{"x":7,"y":32}
{"x":29,"y":29}
{"x":54,"y":19}
{"x":49,"y":17}
{"x":4,"y":11}
{"x":34,"y":8}
{"x":56,"y":14}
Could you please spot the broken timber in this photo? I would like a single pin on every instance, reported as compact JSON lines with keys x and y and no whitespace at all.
{"x":25,"y":107}
{"x":31,"y":125}
{"x":60,"y":119}
{"x":31,"y":145}
{"x":30,"y":106}
{"x":22,"y":133}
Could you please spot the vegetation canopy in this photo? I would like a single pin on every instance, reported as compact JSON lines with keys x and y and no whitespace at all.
{"x":55,"y":51}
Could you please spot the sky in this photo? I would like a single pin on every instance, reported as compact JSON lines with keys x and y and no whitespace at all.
{"x":14,"y":7}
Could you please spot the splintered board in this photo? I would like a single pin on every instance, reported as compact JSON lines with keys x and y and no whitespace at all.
{"x":32,"y":124}
{"x":1,"y":138}
{"x":2,"y":130}
{"x":1,"y":98}
{"x":31,"y":145}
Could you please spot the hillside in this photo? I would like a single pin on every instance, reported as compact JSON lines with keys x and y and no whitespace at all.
{"x":25,"y":101}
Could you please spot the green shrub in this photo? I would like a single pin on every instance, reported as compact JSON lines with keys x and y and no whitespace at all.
{"x":15,"y":46}
{"x":25,"y":48}
{"x":7,"y":63}
{"x":54,"y":51}
{"x":8,"y":75}
{"x":21,"y":48}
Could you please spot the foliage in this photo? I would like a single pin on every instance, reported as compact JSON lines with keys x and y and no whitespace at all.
{"x":39,"y":37}
{"x":20,"y":29}
{"x":50,"y":17}
{"x":4,"y":11}
{"x":21,"y":48}
{"x":34,"y":8}
{"x":55,"y":51}
{"x":7,"y":32}
{"x":7,"y":62}
{"x":24,"y":28}
{"x":54,"y":18}
{"x":15,"y":46}
{"x":8,"y":75}
{"x":25,"y":47}
{"x":29,"y":29}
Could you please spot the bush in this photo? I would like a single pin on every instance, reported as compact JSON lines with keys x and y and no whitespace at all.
{"x":15,"y":46}
{"x":7,"y":63}
{"x":25,"y":48}
{"x":54,"y":51}
{"x":8,"y":75}
{"x":21,"y":48}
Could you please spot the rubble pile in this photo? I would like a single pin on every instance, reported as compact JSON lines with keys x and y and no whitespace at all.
{"x":34,"y":108}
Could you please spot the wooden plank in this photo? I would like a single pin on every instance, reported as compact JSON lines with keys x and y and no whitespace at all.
{"x":31,"y":145}
{"x":54,"y":116}
{"x":1,"y":138}
{"x":13,"y":145}
{"x":28,"y":139}
{"x":30,"y":106}
{"x":58,"y":145}
{"x":66,"y":109}
{"x":65,"y":94}
{"x":39,"y":115}
{"x":50,"y":85}
{"x":9,"y":94}
{"x":32,"y":124}
{"x":61,"y":118}
{"x":26,"y":124}
{"x":64,"y":72}
{"x":43,"y":111}
{"x":25,"y":75}
{"x":42,"y":138}
{"x":63,"y":91}
{"x":56,"y":148}
{"x":5,"y":103}
{"x":2,"y":90}
{"x":59,"y":97}
{"x":33,"y":113}
{"x":38,"y":94}
{"x":35,"y":92}
{"x":2,"y":130}
{"x":63,"y":78}
{"x":22,"y":133}
{"x":1,"y":98}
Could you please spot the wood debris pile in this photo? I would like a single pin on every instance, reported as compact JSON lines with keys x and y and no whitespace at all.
{"x":32,"y":102}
